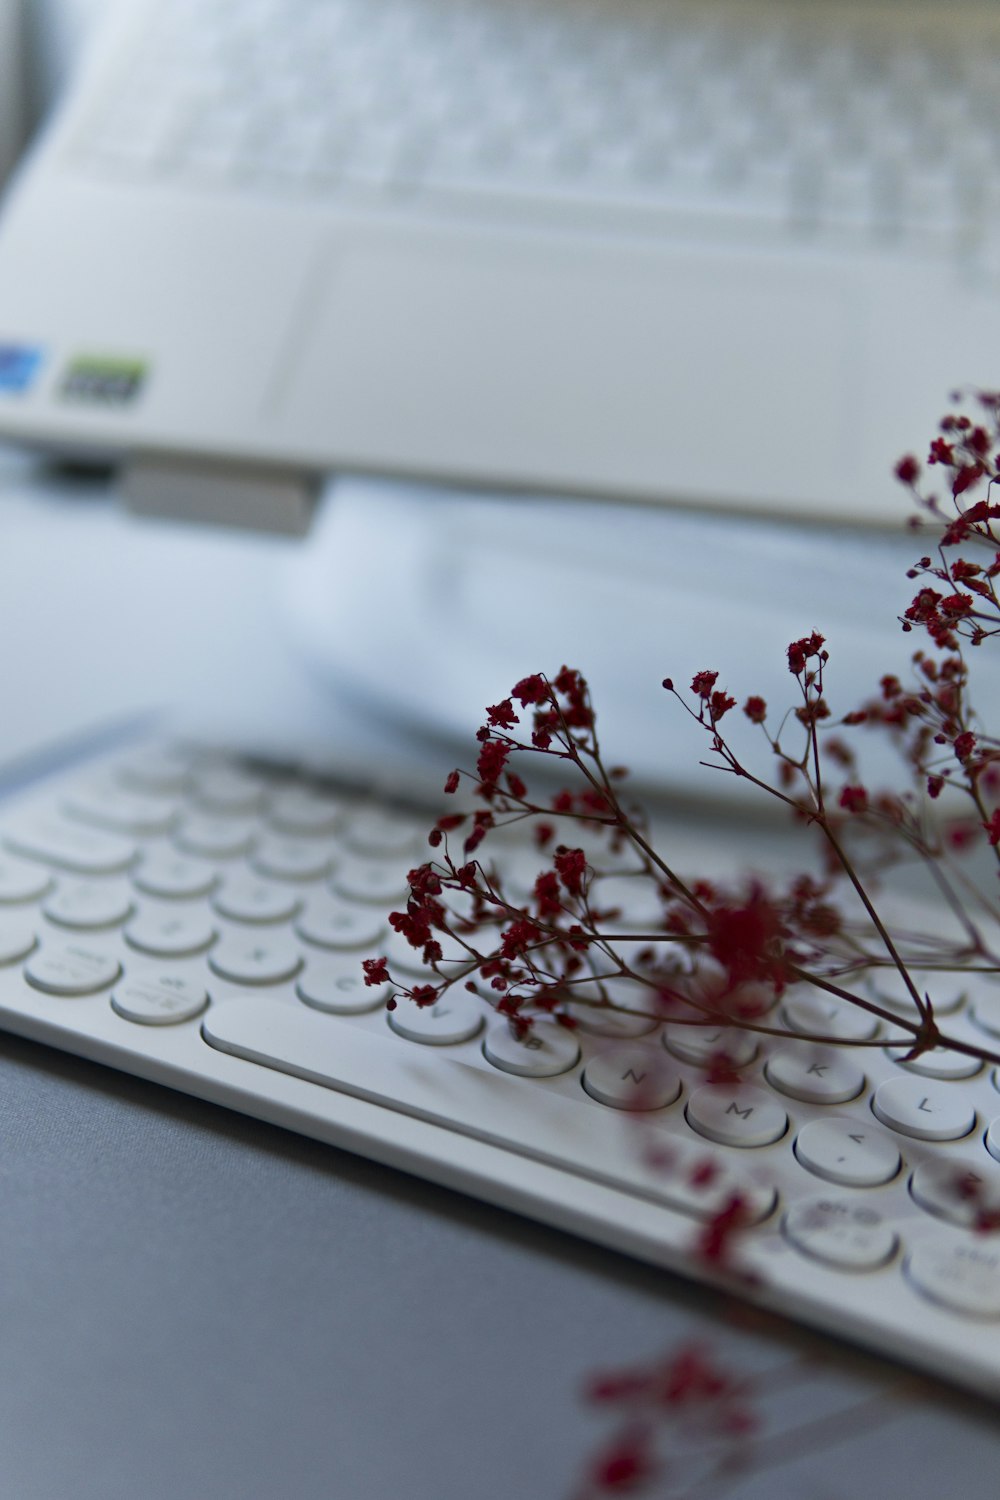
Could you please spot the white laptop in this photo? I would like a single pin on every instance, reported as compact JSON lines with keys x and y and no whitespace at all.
{"x":722,"y":254}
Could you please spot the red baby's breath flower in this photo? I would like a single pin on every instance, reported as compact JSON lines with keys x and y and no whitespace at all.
{"x":756,"y":710}
{"x":854,"y":799}
{"x":376,"y":971}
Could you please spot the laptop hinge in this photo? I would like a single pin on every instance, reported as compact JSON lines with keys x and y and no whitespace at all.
{"x":219,"y":494}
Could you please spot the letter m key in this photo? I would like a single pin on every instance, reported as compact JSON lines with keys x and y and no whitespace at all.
{"x":744,"y":1114}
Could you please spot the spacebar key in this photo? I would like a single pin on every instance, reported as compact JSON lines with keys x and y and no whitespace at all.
{"x":488,"y":1106}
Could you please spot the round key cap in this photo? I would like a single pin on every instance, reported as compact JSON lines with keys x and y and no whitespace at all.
{"x":215,"y":838}
{"x":939,"y":1062}
{"x":378,"y":832}
{"x":948,"y":992}
{"x":993,"y":1137}
{"x":175,"y":876}
{"x":330,"y":985}
{"x":547,"y":1049}
{"x":814,"y":1074}
{"x":736,"y":1115}
{"x":243,"y":899}
{"x":924,"y":1109}
{"x":88,"y":904}
{"x":154,"y":768}
{"x":333,"y":924}
{"x":984,"y":1010}
{"x":381,"y":883}
{"x":631,"y":1078}
{"x":297,"y":810}
{"x":163,"y":1001}
{"x":705,"y":1045}
{"x":625,"y":1015}
{"x":71,"y":969}
{"x":840,"y":1231}
{"x":17,"y":938}
{"x":20,"y":881}
{"x":229,"y":791}
{"x":960,"y":1273}
{"x":455,"y":1018}
{"x":292,"y":859}
{"x":120,"y":811}
{"x":963,"y":1191}
{"x":170,"y":935}
{"x":71,"y":846}
{"x":852,"y":1153}
{"x":822,"y":1016}
{"x":256,"y":959}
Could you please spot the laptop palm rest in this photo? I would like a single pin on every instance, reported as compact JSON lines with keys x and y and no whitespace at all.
{"x":588,"y":368}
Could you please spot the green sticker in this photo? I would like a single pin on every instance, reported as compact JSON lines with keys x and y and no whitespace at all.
{"x":103,"y":379}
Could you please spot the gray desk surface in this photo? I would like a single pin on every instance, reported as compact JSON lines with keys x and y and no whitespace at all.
{"x":195,"y":1304}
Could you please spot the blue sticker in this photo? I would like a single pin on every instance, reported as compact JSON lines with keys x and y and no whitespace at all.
{"x":19,"y":364}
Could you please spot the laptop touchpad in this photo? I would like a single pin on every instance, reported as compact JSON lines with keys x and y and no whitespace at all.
{"x":607,"y":366}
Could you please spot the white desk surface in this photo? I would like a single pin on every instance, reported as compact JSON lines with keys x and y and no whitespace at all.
{"x":193,"y":1304}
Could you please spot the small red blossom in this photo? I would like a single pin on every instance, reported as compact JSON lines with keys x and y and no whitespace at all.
{"x":755,"y":709}
{"x":376,"y":971}
{"x":702,"y":683}
{"x":854,"y":799}
{"x":502,"y":715}
{"x":531,"y":690}
{"x":799,"y":652}
{"x":992,"y":826}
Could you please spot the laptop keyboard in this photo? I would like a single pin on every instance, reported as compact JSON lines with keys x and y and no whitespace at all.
{"x":858,"y":124}
{"x":199,"y":919}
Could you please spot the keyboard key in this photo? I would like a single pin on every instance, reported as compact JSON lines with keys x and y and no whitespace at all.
{"x":823,"y":1016}
{"x":171,"y":935}
{"x":924,"y":1109}
{"x":215,"y":838}
{"x":706,"y":1044}
{"x":332,"y":924}
{"x":68,"y":846}
{"x":17,"y":938}
{"x":963,"y":1191}
{"x":292,"y":859}
{"x":256,"y":960}
{"x":482,"y":1104}
{"x":174,"y":876}
{"x":120,"y":812}
{"x":960,"y":1274}
{"x":939,"y":1062}
{"x":227,"y":791}
{"x":85,"y":905}
{"x":243,"y":899}
{"x":384,"y":832}
{"x":623,"y":1023}
{"x":631,"y":1078}
{"x":814,"y":1075}
{"x":455,"y":1018}
{"x":546,"y":1050}
{"x":736,"y":1115}
{"x":371,"y":881}
{"x":297,"y":810}
{"x":71,"y":969}
{"x":840,"y":1231}
{"x":948,"y":992}
{"x":165,"y":1001}
{"x":162,"y":769}
{"x":852,"y":1153}
{"x":21,"y":882}
{"x":328,"y":985}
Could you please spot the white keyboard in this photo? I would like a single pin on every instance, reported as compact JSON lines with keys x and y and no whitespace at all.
{"x":200,"y":919}
{"x":857,"y":122}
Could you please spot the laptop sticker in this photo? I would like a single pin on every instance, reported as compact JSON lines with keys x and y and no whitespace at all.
{"x":103,"y":379}
{"x":19,"y":364}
